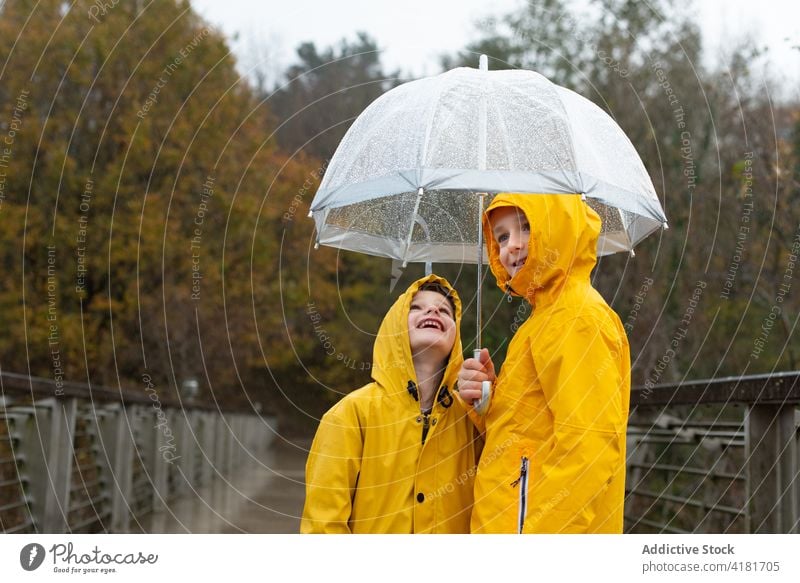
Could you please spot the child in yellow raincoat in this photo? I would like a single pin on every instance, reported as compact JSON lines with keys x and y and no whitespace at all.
{"x":397,"y":456}
{"x":554,"y":458}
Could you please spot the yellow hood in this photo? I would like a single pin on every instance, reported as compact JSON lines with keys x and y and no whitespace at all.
{"x":563,"y":244}
{"x":391,"y":355}
{"x":556,"y":425}
{"x":378,"y":464}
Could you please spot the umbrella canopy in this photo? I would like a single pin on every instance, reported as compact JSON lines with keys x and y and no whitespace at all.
{"x":405,"y":180}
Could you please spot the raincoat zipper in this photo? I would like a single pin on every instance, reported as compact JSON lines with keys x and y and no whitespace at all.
{"x":426,"y":425}
{"x":522,"y":482}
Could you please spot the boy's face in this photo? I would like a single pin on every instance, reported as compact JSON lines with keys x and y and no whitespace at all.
{"x":431,"y":325}
{"x":512,"y":232}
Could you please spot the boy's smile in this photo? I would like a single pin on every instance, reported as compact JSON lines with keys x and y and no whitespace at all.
{"x":512,"y":232}
{"x":431,"y":325}
{"x":517,"y":265}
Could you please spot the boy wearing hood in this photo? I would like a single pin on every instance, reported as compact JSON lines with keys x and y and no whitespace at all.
{"x":396,"y":456}
{"x":554,"y":458}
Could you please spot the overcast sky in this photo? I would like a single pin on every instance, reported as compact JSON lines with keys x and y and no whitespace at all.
{"x":413,"y":33}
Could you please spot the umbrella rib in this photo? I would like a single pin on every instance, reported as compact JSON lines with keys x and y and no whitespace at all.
{"x":504,"y":131}
{"x":624,"y":229}
{"x":411,"y":227}
{"x":568,"y":125}
{"x":429,"y":125}
{"x":482,"y":116}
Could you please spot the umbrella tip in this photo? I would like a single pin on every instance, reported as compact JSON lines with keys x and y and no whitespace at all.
{"x":483,"y":63}
{"x":633,"y":253}
{"x":666,"y":226}
{"x":316,"y":245}
{"x":310,"y":214}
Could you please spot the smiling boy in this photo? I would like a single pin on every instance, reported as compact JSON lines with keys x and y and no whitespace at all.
{"x":556,"y":424}
{"x":511,"y":230}
{"x":396,"y":456}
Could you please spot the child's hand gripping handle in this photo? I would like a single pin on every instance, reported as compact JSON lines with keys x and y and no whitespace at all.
{"x":475,"y":381}
{"x":482,"y":405}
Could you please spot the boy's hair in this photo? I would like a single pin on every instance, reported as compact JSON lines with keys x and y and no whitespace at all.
{"x":437,"y":287}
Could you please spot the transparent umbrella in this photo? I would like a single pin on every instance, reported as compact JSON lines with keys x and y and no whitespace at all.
{"x":411,"y":177}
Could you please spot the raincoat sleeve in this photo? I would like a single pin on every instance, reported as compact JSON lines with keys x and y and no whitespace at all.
{"x":479,"y":421}
{"x":581,"y":373}
{"x":332,"y":471}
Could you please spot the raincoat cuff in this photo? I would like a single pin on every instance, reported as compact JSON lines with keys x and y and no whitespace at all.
{"x":478,"y":421}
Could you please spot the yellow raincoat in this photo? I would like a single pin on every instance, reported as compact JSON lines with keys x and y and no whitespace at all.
{"x":554,"y":459}
{"x":369,"y":471}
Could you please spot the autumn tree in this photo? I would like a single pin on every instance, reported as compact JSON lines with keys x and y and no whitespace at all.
{"x":151,"y":225}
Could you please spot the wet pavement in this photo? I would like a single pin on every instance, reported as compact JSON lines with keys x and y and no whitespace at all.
{"x":276,"y":504}
{"x":266,"y":497}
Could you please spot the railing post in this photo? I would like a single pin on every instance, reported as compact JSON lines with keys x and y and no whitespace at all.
{"x":252,"y":431}
{"x":236,"y":445}
{"x":772,"y":468}
{"x":247,"y":439}
{"x":230,"y":441}
{"x":233,"y":432}
{"x":219,"y":446}
{"x":32,"y":432}
{"x":266,"y":428}
{"x":192,"y":461}
{"x":59,"y":456}
{"x":119,"y":436}
{"x":144,"y":450}
{"x":796,"y":526}
{"x":159,"y":466}
{"x":183,"y":428}
{"x":208,"y":448}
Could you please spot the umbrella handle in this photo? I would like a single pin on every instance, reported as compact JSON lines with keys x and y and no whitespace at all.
{"x":482,"y":405}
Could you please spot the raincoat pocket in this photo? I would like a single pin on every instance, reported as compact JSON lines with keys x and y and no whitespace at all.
{"x":522,"y":483}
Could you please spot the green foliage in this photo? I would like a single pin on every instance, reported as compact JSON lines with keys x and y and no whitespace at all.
{"x":322,"y":94}
{"x":538,"y":37}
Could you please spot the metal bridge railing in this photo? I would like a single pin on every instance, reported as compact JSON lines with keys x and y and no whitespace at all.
{"x":705,"y":456}
{"x":716,"y":456}
{"x":94,"y":459}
